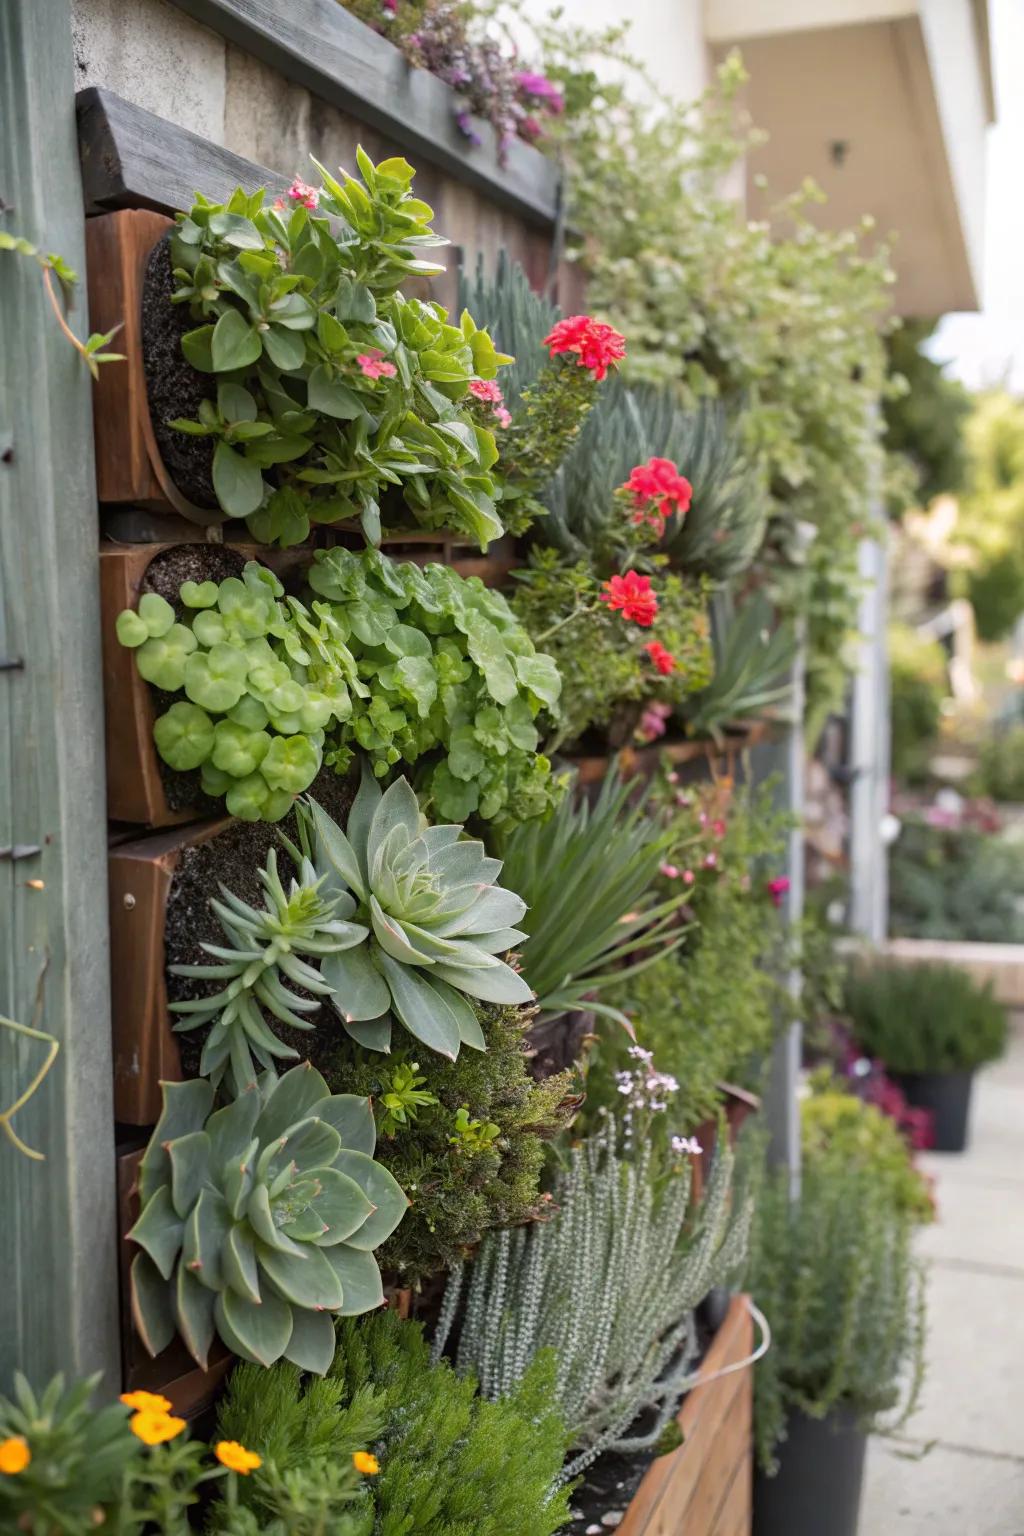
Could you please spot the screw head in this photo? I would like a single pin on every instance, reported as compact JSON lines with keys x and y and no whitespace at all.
{"x":128,"y":901}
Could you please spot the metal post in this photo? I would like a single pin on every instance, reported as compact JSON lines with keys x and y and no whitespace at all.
{"x":58,"y":1273}
{"x":869,"y":752}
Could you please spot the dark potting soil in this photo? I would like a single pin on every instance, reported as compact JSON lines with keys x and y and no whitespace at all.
{"x":234,"y":858}
{"x":174,"y":388}
{"x":165,"y":575}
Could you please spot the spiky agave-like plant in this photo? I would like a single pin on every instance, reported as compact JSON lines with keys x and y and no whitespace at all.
{"x":432,"y":922}
{"x":263,"y":946}
{"x":259,"y":1220}
{"x":610,"y":1283}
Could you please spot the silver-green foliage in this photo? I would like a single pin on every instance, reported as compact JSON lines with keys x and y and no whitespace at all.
{"x":754,"y":654}
{"x":262,"y":948}
{"x":430,"y":923}
{"x":259,"y":1220}
{"x":610,"y":1284}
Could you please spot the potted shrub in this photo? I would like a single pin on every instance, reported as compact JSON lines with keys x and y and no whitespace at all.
{"x":834,"y":1273}
{"x":932,"y":1026}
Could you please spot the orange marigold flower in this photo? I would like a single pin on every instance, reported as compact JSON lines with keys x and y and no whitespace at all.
{"x":146,"y":1402}
{"x":153,"y":1427}
{"x":236,"y":1458}
{"x":364,"y":1462}
{"x":14,"y":1455}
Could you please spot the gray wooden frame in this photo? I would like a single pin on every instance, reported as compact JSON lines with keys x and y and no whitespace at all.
{"x":319,"y":45}
{"x":58,"y":1273}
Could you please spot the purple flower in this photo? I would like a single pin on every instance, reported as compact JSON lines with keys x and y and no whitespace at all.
{"x":542,"y":89}
{"x":465,"y":123}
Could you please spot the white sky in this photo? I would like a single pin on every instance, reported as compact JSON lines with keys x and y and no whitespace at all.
{"x":988,"y":347}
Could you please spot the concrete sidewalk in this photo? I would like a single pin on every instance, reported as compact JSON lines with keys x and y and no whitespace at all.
{"x":957,"y":1467}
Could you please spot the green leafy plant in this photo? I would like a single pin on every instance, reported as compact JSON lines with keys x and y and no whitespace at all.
{"x":835,"y":1273}
{"x":593,"y":914}
{"x":261,"y":948}
{"x":919,"y":683}
{"x":445,"y":665}
{"x":753,"y":656}
{"x":430,"y":923}
{"x":844,"y":1127}
{"x":924,"y":1018}
{"x":956,"y":882}
{"x":65,"y":1457}
{"x":609,"y":1284}
{"x":1001,"y":765}
{"x":395,"y":660}
{"x":605,"y":663}
{"x":404,"y":1097}
{"x":336,"y":396}
{"x":461,"y":1187}
{"x":258,"y":1220}
{"x":709,"y":1010}
{"x":500,"y":1460}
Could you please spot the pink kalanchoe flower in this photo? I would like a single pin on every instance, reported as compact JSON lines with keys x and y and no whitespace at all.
{"x":777,"y":889}
{"x":301,"y":192}
{"x":718,"y":829}
{"x":670,"y":871}
{"x":710,"y":861}
{"x":653,"y":721}
{"x":486,"y":389}
{"x":279,"y":204}
{"x":502,"y":416}
{"x":373,"y":365}
{"x":688,"y":877}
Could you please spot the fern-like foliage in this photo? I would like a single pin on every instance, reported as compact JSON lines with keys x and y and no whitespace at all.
{"x":610,"y":1285}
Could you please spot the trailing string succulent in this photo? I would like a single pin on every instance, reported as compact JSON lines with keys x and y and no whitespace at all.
{"x":336,"y":397}
{"x":263,"y":950}
{"x":429,"y":919}
{"x":258,"y":1221}
{"x":400,"y":661}
{"x":610,"y":1284}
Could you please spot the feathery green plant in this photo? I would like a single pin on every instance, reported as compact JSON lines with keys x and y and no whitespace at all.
{"x":835,"y":1275}
{"x":261,"y":947}
{"x":924,"y":1018}
{"x":259,"y":1220}
{"x":499,"y":1460}
{"x":592,"y":914}
{"x":610,"y":1284}
{"x":431,"y":922}
{"x":753,"y":656}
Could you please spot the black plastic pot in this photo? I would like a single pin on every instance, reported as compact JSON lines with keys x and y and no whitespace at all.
{"x":817,"y":1489}
{"x":948,"y":1096}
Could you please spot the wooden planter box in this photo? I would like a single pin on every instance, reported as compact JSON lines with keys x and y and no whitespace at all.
{"x":644,"y":762}
{"x":145,"y":1045}
{"x":704,"y":1487}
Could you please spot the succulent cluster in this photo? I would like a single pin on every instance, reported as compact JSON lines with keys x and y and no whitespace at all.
{"x":262,"y":946}
{"x":430,"y":920}
{"x":400,"y":661}
{"x":338,"y":398}
{"x":259,"y":1220}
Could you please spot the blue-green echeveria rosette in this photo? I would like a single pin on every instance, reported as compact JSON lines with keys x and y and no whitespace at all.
{"x":259,"y":1220}
{"x":434,"y":919}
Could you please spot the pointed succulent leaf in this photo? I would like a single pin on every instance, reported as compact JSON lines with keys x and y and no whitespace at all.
{"x":382,"y":1190}
{"x":312,"y":1344}
{"x":341,"y":1205}
{"x":151,"y":1305}
{"x":186,"y":1107}
{"x":392,"y":938}
{"x":371,"y":1034}
{"x":313,"y":1143}
{"x":352,"y":1117}
{"x":305,"y":1281}
{"x":238,"y":1262}
{"x":464,"y":1013}
{"x":193,"y":1311}
{"x":492,"y":984}
{"x":360,"y":1279}
{"x":190,"y":1169}
{"x":230,"y":1129}
{"x":206,"y":1232}
{"x":257,"y":1333}
{"x":360,"y":992}
{"x":335,"y":852}
{"x":423,"y":1012}
{"x":159,"y":1230}
{"x":289,"y":1100}
{"x":260,"y":1216}
{"x":398,"y":808}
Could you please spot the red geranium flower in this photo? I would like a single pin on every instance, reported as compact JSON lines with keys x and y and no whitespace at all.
{"x":658,"y":490}
{"x":599,"y":346}
{"x":663,"y":660}
{"x":631,"y":595}
{"x":777,"y":889}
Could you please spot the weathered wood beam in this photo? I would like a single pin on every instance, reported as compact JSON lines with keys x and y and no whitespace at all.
{"x":58,"y":1253}
{"x":320,"y":45}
